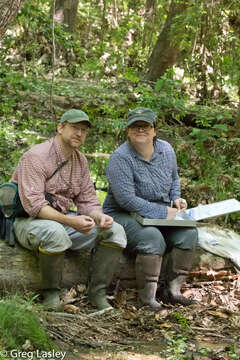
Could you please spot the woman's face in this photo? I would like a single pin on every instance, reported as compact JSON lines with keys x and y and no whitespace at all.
{"x":141,"y":133}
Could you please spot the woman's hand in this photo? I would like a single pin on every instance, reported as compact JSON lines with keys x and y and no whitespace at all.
{"x":180,"y":204}
{"x":172,"y":213}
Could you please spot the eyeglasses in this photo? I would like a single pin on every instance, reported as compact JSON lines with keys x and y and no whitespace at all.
{"x":144,"y":128}
{"x":83,"y":130}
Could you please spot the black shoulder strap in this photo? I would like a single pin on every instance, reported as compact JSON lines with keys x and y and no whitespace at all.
{"x":57,"y":169}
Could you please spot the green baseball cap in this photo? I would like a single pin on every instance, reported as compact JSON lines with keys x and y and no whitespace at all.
{"x":141,"y":114}
{"x":75,"y":116}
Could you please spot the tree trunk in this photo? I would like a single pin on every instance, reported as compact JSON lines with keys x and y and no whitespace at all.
{"x":19,"y":268}
{"x":66,"y":13}
{"x":165,"y":53}
{"x":8,"y":11}
{"x":150,"y":14}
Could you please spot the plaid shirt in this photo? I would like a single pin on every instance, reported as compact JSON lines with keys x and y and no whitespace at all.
{"x":70,"y":185}
{"x":137,"y":185}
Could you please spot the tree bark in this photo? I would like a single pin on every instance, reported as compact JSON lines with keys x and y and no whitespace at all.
{"x":8,"y":11}
{"x":149,"y":22}
{"x":165,"y":53}
{"x":66,"y":13}
{"x":19,"y":268}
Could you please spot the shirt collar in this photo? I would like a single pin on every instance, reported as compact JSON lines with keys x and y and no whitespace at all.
{"x":158,"y":147}
{"x":134,"y":153}
{"x":58,"y":150}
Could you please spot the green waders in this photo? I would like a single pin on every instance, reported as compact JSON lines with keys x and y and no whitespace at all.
{"x":104,"y":262}
{"x":51,"y":267}
{"x":147,"y":273}
{"x":178,"y":265}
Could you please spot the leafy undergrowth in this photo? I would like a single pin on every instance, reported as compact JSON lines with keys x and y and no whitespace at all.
{"x":208,"y":330}
{"x":19,"y":324}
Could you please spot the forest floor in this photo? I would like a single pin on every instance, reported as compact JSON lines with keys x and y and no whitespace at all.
{"x":208,"y":330}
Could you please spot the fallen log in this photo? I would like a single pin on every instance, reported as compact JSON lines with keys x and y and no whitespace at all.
{"x":19,"y":268}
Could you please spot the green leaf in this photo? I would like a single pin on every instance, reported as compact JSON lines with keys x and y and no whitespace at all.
{"x":220,"y":127}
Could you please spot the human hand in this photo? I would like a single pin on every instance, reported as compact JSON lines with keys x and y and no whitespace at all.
{"x":180,"y":204}
{"x":82,"y":223}
{"x":104,"y":221}
{"x":172,"y":213}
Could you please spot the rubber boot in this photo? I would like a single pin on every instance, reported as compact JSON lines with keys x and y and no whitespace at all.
{"x":51,"y":266}
{"x":178,"y":266}
{"x":104,"y":262}
{"x":147,"y":273}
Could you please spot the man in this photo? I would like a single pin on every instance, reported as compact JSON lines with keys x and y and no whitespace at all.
{"x":51,"y":177}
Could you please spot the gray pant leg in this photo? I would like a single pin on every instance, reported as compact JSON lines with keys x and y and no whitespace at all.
{"x":53,"y":237}
{"x":140,"y":239}
{"x":180,"y":237}
{"x":115,"y":236}
{"x":49,"y":235}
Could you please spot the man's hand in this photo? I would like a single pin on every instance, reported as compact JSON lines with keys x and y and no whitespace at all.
{"x":180,"y":204}
{"x":102,"y":220}
{"x":81,"y":223}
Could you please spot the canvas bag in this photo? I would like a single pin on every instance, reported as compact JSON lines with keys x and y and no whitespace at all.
{"x":11,"y":207}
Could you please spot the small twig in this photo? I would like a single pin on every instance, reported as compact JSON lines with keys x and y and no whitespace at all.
{"x":203,"y":329}
{"x":91,"y":344}
{"x":216,"y":335}
{"x":100,"y":312}
{"x":67,"y":315}
{"x":75,"y":316}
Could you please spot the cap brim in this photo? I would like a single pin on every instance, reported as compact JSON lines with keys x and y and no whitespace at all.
{"x":132,"y":121}
{"x":77,"y":120}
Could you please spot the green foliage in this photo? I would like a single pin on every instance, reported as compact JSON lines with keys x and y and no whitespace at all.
{"x":18,"y":324}
{"x":233,"y":352}
{"x":202,"y":135}
{"x":181,"y":320}
{"x":167,"y":97}
{"x":100,"y":69}
{"x":207,"y":158}
{"x":206,"y":116}
{"x":204,"y":352}
{"x":176,"y":348}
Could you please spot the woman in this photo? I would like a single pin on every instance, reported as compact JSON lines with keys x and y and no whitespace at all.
{"x":143,"y":179}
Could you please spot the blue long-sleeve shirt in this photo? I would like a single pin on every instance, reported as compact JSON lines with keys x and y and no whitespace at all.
{"x":136,"y":185}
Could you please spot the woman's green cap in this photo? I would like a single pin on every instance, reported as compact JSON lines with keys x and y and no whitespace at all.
{"x":141,"y":114}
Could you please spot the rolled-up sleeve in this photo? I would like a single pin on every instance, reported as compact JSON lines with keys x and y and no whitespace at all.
{"x":87,"y":200}
{"x":175,"y":191}
{"x":31,"y":177}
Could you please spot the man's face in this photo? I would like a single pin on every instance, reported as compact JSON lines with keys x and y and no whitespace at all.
{"x":73,"y":134}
